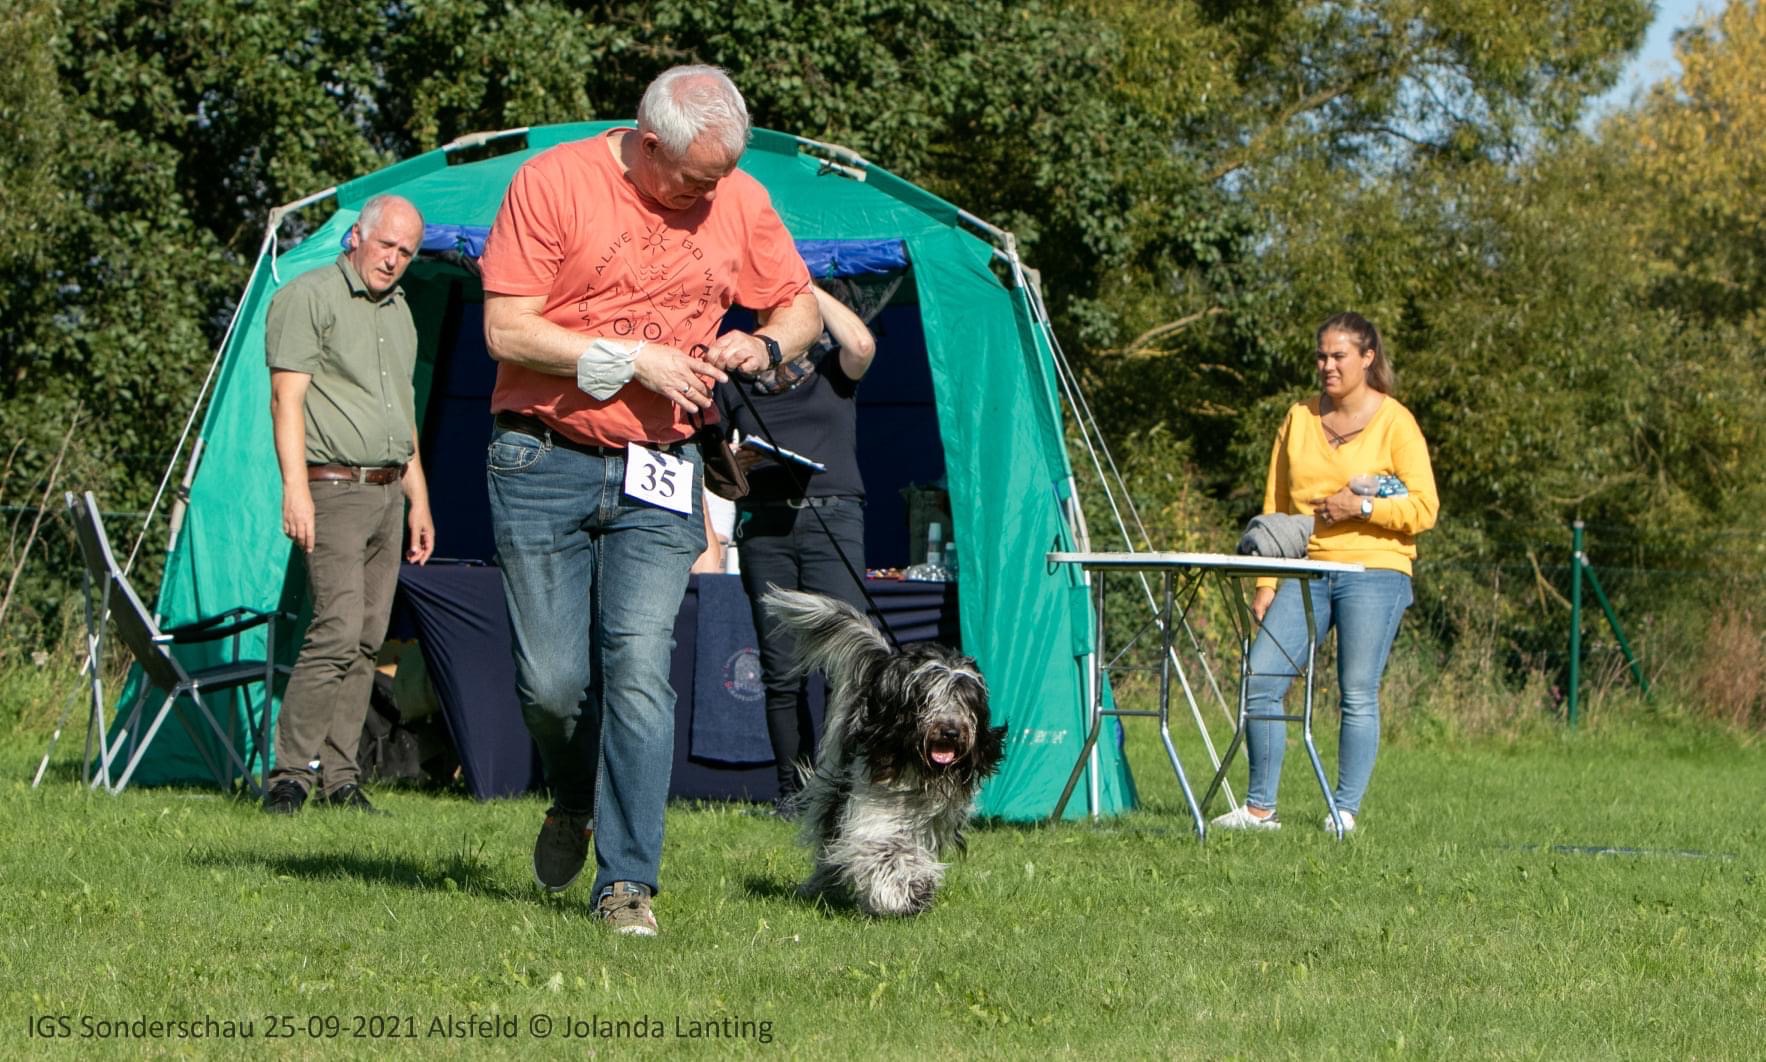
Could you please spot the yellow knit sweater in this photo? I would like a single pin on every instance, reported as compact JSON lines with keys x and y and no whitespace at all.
{"x":1303,"y":467}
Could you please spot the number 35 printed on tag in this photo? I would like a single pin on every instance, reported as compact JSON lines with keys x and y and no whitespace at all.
{"x":659,"y":479}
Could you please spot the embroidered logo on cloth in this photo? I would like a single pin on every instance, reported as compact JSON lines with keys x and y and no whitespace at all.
{"x":742,"y":675}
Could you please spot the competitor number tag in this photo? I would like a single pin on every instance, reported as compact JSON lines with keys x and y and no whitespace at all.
{"x":660,"y":479}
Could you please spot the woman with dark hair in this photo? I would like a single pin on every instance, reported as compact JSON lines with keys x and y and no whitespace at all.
{"x":1353,"y":428}
{"x":795,"y":530}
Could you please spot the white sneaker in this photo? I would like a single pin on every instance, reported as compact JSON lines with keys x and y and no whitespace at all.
{"x":1348,"y":818}
{"x":1240,"y":818}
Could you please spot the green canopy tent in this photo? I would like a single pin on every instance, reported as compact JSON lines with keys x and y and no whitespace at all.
{"x":995,"y":378}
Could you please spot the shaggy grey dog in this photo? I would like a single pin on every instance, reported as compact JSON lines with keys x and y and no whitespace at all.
{"x":905,"y":746}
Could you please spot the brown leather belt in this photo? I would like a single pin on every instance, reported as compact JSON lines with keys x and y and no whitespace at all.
{"x":528,"y":424}
{"x":354,"y":474}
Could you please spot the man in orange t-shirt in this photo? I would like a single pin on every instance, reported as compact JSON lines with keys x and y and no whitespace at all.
{"x":606,"y":277}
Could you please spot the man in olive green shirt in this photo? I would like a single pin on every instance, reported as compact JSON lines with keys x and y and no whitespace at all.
{"x":341,"y":346}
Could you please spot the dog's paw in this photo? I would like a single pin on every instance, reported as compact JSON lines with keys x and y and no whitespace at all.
{"x":920,"y":895}
{"x":900,"y":901}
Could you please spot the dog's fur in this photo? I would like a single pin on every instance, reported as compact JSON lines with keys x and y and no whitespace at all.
{"x":905,"y":746}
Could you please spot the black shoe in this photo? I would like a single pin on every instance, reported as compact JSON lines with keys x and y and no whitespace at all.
{"x":561,"y":849}
{"x":350,"y":797}
{"x":284,"y":798}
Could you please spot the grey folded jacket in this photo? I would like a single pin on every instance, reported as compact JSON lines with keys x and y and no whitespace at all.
{"x":1276,"y":535}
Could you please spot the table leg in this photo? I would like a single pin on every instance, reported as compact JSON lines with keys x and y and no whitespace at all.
{"x":1246,"y":625}
{"x":1094,"y":788}
{"x":1187,"y":596}
{"x":1165,"y":657}
{"x":1088,"y":750}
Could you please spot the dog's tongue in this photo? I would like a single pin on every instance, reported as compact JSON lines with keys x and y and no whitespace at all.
{"x":944,"y":755}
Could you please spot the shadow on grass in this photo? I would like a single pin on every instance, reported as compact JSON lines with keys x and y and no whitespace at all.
{"x":463,"y":873}
{"x":785,"y":892}
{"x":1145,"y":822}
{"x":69,"y":773}
{"x":985,"y":825}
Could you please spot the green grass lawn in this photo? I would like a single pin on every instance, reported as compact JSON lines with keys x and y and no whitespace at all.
{"x":1450,"y":925}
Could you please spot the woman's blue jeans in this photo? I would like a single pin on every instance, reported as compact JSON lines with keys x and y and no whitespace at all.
{"x":593,"y":581}
{"x":1365,"y":608}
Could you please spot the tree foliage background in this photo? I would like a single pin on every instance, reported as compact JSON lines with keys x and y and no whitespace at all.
{"x":1575,"y":317}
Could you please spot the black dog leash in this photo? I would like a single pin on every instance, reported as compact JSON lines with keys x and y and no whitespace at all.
{"x":857,"y":576}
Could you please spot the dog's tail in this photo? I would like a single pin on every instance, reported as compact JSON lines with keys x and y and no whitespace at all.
{"x":832,"y":636}
{"x":835,"y":639}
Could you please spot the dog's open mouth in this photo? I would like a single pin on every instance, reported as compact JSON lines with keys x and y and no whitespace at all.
{"x":943,"y":753}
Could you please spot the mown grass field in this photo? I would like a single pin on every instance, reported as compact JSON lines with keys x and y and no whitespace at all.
{"x":1463,"y":920}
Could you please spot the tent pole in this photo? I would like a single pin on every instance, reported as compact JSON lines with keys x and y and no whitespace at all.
{"x":834,"y":151}
{"x":195,"y":407}
{"x":275,"y":223}
{"x":856,"y":166}
{"x":181,"y":499}
{"x":1092,"y":436}
{"x":473,"y":140}
{"x":266,"y":247}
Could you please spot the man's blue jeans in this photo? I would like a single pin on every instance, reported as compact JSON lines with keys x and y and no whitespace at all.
{"x":1365,"y":608}
{"x":593,"y":581}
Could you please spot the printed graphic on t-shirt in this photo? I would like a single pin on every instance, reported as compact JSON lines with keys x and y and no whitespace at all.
{"x":660,"y":283}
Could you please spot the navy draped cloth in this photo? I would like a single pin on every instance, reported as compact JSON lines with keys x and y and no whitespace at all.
{"x":729,"y":699}
{"x":456,"y":611}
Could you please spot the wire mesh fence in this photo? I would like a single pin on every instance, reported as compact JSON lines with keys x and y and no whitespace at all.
{"x":1488,"y":640}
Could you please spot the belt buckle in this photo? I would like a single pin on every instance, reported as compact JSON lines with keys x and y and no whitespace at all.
{"x":361,"y":472}
{"x":798,"y":503}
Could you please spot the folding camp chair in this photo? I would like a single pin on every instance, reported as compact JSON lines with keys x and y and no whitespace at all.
{"x":109,"y":590}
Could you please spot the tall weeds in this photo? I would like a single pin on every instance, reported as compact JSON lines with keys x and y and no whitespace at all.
{"x":1729,"y":676}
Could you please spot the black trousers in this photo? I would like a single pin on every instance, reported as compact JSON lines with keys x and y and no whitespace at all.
{"x":789,"y":548}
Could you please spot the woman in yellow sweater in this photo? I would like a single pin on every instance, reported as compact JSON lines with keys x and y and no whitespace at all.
{"x":1353,"y":428}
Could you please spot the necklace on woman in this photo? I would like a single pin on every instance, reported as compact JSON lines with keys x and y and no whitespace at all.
{"x":1338,"y":438}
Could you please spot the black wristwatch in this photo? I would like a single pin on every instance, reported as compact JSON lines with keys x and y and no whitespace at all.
{"x":773,"y":354}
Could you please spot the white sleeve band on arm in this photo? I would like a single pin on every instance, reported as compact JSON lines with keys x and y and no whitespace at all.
{"x":606,"y":367}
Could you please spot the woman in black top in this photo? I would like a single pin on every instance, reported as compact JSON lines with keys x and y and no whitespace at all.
{"x":807,"y":407}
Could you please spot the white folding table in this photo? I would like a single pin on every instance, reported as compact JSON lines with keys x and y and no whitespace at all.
{"x":1181,"y":576}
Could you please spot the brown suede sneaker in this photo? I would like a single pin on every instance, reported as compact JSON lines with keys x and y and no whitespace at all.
{"x":625,"y":905}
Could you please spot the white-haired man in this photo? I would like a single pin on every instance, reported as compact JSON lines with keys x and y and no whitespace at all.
{"x":341,"y":347}
{"x":606,"y":277}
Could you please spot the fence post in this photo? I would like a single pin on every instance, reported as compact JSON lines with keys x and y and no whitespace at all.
{"x":1580,"y":568}
{"x":1575,"y":618}
{"x":1600,"y":596}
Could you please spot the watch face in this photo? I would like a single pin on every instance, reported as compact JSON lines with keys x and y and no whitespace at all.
{"x":1367,"y":506}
